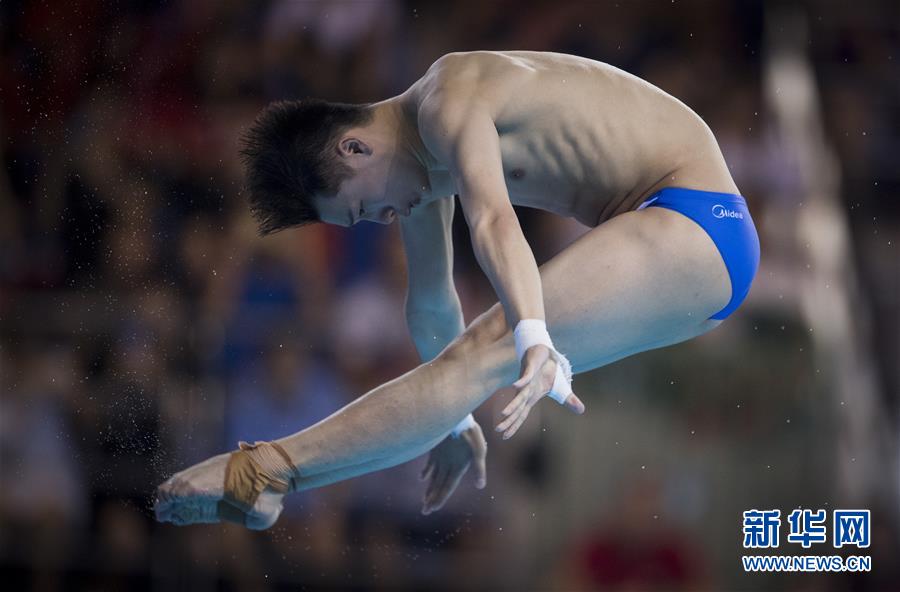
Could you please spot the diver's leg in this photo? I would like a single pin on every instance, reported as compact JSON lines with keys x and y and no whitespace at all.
{"x":402,"y":419}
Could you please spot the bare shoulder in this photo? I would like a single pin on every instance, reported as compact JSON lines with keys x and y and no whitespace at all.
{"x":453,"y":78}
{"x":473,"y":72}
{"x":498,"y":81}
{"x":456,"y":67}
{"x":459,"y":91}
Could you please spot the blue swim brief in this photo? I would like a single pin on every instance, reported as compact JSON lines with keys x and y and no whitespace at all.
{"x":727,"y":221}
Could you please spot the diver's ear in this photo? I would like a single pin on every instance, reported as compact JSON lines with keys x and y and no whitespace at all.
{"x":350,"y":146}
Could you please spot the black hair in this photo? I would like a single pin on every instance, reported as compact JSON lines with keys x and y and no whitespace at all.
{"x":290,"y":155}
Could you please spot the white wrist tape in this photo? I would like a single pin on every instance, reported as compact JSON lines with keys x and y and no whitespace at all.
{"x":530,"y":332}
{"x":467,"y":422}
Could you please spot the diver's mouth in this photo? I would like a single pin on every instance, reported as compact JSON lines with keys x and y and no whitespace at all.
{"x":412,"y":204}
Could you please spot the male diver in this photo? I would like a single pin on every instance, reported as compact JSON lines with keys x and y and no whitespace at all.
{"x":671,"y":252}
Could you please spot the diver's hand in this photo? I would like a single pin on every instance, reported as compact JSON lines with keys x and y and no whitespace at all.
{"x":448,"y":462}
{"x":536,"y":380}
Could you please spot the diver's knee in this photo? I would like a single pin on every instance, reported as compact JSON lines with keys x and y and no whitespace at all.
{"x":490,"y":327}
{"x":484,"y":334}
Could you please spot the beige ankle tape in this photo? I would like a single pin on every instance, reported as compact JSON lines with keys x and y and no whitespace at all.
{"x":245,"y":479}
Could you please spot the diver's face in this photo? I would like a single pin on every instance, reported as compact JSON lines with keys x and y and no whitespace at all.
{"x":382,"y":187}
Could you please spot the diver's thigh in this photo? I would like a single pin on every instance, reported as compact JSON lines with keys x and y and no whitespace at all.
{"x":642,"y":278}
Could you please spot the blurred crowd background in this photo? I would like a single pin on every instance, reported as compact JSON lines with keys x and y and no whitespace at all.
{"x":145,"y":326}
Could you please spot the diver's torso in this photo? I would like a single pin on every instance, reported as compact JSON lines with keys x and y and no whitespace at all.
{"x":583,"y":139}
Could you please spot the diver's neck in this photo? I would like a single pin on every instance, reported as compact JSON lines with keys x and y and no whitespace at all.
{"x":395,"y":115}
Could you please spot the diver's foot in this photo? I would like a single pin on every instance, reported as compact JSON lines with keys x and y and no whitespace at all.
{"x":196,"y":495}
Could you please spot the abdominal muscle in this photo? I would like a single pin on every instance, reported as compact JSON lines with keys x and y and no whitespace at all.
{"x":544,"y":172}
